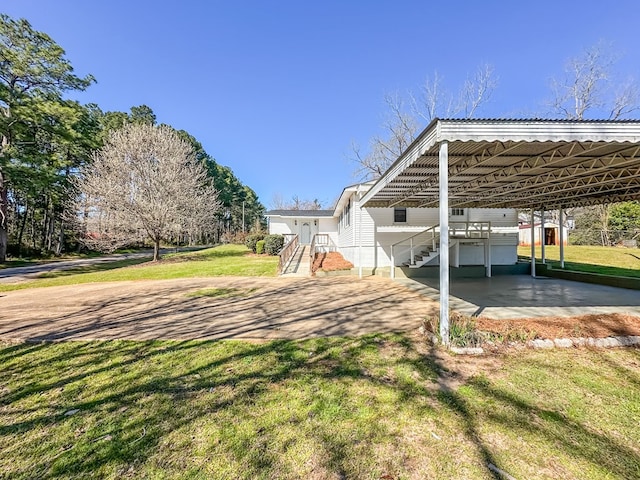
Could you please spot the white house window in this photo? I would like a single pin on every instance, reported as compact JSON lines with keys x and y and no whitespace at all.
{"x":457,"y":212}
{"x":399,"y":215}
{"x":348,"y":213}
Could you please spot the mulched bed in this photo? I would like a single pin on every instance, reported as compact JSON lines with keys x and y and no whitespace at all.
{"x":330,"y":262}
{"x":590,"y":325}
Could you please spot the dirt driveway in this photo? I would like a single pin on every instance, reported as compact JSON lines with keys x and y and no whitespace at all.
{"x":237,"y":307}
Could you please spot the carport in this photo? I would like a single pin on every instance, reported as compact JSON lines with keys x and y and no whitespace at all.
{"x":525,"y":164}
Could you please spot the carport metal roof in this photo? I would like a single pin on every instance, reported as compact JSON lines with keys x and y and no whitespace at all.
{"x":544,"y":164}
{"x":516,"y":163}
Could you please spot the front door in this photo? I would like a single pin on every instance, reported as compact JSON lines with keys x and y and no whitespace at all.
{"x":305,"y":235}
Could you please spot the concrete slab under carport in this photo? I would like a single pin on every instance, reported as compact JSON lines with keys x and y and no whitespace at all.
{"x":521,"y":296}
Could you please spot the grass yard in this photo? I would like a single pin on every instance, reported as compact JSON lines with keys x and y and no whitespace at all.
{"x":234,"y":260}
{"x":374,"y":407}
{"x":585,"y":258}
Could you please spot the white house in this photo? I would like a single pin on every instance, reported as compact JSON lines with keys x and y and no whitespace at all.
{"x":304,"y":223}
{"x":375,"y":238}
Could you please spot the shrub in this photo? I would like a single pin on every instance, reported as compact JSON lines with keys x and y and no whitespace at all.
{"x":260,"y":247}
{"x":238,"y":238}
{"x":273,"y":244}
{"x":252,"y":240}
{"x":463,"y":331}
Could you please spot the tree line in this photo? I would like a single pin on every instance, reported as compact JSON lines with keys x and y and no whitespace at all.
{"x":48,"y":141}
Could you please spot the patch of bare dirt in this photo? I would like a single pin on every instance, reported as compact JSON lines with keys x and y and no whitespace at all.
{"x":329,"y":262}
{"x":591,"y":325}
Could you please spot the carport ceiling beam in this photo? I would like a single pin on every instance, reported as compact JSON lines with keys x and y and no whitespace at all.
{"x":532,"y":165}
{"x":488,"y":154}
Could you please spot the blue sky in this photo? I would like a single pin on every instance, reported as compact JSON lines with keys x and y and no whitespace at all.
{"x":278,"y":90}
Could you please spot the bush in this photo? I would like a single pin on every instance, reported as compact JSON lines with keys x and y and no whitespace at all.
{"x":463,"y":331}
{"x":236,"y":238}
{"x":252,"y":240}
{"x":260,"y":247}
{"x":273,"y":244}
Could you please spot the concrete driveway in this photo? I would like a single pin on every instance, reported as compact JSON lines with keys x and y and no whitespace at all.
{"x":521,"y":296}
{"x":255,"y":308}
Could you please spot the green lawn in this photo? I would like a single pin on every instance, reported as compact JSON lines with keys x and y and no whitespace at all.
{"x":584,"y":258}
{"x":233,"y":260}
{"x":362,"y":408}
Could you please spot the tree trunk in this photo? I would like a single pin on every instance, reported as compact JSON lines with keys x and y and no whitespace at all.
{"x":60,"y":244}
{"x":23,"y":224}
{"x":4,"y":237}
{"x":45,"y":226}
{"x":156,"y":250}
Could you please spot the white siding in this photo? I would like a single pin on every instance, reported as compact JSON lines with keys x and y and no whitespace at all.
{"x":281,"y":226}
{"x":329,"y":225}
{"x":376,"y":245}
{"x":293,"y":225}
{"x":362,"y":240}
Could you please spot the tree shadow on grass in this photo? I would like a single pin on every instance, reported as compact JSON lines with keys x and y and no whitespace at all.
{"x":183,"y":408}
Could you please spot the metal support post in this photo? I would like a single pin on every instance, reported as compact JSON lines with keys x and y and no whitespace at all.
{"x":543,"y":237}
{"x":443,"y":178}
{"x":533,"y":243}
{"x":561,"y":235}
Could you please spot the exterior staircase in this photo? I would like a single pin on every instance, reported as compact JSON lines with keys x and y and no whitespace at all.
{"x":424,"y":257}
{"x":427,"y":242}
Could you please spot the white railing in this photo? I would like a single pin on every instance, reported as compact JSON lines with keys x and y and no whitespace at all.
{"x":426,"y":238}
{"x":321,"y":243}
{"x":430,"y":238}
{"x":288,"y":237}
{"x":470,"y":229}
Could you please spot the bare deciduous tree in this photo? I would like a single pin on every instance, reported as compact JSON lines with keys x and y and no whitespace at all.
{"x":399,"y":130}
{"x":587,"y":87}
{"x":435,"y":101}
{"x":296,"y":203}
{"x":144,"y":182}
{"x":401,"y":126}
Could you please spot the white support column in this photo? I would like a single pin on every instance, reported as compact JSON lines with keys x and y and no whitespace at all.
{"x":533,"y":243}
{"x":561,"y":235}
{"x":360,"y":240}
{"x":393,"y":265}
{"x":543,"y":237}
{"x":487,"y":257}
{"x":455,"y":260}
{"x":443,"y":180}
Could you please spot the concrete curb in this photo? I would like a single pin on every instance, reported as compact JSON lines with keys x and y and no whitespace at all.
{"x":467,"y":350}
{"x":607,"y":342}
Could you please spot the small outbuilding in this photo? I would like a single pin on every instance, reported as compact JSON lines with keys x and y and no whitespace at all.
{"x":551,"y":234}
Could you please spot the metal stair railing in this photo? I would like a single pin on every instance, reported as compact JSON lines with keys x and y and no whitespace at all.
{"x":432,"y":237}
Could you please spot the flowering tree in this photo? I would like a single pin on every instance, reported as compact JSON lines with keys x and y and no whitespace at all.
{"x":145,"y":182}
